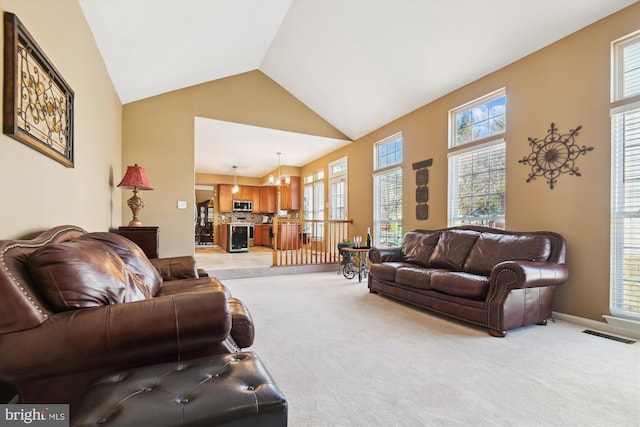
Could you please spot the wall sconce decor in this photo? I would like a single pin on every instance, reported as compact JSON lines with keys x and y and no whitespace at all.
{"x":422,"y":191}
{"x":38,"y":103}
{"x":135,"y":178}
{"x":554,"y":155}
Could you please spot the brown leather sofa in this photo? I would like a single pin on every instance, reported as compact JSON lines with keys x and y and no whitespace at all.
{"x":492,"y":278}
{"x":77,"y":306}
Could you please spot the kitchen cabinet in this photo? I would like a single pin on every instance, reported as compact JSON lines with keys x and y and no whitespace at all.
{"x":266,"y":235}
{"x":261,"y":235}
{"x":244,"y":193}
{"x":268,"y":199}
{"x":290,"y":195}
{"x":257,"y":235}
{"x":265,"y":199}
{"x":225,"y":199}
{"x":288,"y":236}
{"x":255,"y":198}
{"x":223,"y":232}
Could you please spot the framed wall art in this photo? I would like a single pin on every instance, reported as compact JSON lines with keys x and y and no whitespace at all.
{"x":38,"y":103}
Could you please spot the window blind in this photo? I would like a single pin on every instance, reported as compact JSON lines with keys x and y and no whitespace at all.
{"x":477,"y":186}
{"x":625,"y":180}
{"x":387,"y":229}
{"x":625,"y":216}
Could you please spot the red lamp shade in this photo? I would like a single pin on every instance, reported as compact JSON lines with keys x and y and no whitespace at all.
{"x":136,"y":177}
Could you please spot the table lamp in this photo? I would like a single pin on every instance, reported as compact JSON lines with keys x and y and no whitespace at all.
{"x":135,"y":178}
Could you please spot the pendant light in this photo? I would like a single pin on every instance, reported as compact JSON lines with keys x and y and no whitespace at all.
{"x":235,"y":188}
{"x":278,"y":182}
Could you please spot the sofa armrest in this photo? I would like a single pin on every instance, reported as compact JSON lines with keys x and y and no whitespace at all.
{"x":509,"y":275}
{"x":532,"y":284}
{"x":378,"y":255}
{"x":181,"y":267}
{"x":242,"y":329}
{"x":85,"y":339}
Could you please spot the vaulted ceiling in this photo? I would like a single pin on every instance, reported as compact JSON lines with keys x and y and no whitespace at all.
{"x":359,"y":64}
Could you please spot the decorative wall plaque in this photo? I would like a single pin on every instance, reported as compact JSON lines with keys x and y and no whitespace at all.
{"x":422,"y":191}
{"x":38,"y":103}
{"x":554,"y":155}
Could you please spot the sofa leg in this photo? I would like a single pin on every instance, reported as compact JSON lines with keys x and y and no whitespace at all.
{"x":499,"y":334}
{"x":542,"y":322}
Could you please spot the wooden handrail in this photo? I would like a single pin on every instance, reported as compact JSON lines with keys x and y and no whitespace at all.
{"x":305,"y":242}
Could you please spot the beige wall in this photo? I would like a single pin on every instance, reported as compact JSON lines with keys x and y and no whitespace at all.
{"x":158,"y":134}
{"x":36,"y":192}
{"x":566,"y":83}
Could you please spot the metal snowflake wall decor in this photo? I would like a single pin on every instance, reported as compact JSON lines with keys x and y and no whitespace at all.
{"x":554,"y":155}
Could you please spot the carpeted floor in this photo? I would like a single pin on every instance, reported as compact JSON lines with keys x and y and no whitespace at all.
{"x":345,"y":357}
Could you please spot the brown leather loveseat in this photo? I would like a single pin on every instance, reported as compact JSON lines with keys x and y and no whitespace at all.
{"x":492,"y":278}
{"x":76,"y":306}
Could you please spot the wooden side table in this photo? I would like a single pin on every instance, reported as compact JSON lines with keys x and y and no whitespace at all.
{"x":143,"y":236}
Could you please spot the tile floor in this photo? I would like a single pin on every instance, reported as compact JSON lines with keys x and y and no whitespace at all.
{"x":255,"y":263}
{"x":213,"y":258}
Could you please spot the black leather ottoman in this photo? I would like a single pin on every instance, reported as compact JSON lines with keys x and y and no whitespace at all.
{"x":226,"y":390}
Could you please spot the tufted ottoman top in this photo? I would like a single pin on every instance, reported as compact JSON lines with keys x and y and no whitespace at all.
{"x":225,"y":390}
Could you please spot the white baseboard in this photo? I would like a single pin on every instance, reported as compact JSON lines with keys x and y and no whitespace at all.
{"x":624,"y":329}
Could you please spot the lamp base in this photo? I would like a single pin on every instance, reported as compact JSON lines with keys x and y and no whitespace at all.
{"x":135,"y":203}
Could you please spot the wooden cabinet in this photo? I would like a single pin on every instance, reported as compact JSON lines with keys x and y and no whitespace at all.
{"x":255,"y":198}
{"x":204,"y":224}
{"x":266,"y":235}
{"x":225,"y":199}
{"x":268,"y":199}
{"x":265,"y":199}
{"x":145,"y":237}
{"x":262,"y":235}
{"x":223,"y":232}
{"x":290,"y":195}
{"x":288,"y":236}
{"x":245,"y":192}
{"x":257,"y":235}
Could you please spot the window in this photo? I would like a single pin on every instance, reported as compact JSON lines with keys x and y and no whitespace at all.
{"x":314,"y":204}
{"x":480,"y":119}
{"x":477,"y":162}
{"x":338,"y":189}
{"x":625,"y":179}
{"x":387,"y":192}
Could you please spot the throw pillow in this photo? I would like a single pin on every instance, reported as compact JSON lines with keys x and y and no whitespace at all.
{"x":133,"y":256}
{"x":83,"y":273}
{"x":452,"y":249}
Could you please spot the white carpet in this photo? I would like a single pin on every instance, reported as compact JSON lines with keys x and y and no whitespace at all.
{"x":345,"y":357}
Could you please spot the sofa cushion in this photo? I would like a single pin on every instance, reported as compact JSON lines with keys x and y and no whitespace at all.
{"x":83,"y":273}
{"x":452,"y":249}
{"x":491,"y":249}
{"x":132,"y":255}
{"x":417,"y":246}
{"x":460,"y":284}
{"x":386,"y":271}
{"x":415,"y":277}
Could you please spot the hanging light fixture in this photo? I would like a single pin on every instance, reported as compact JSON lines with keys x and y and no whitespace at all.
{"x":278,"y":181}
{"x":235,"y":188}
